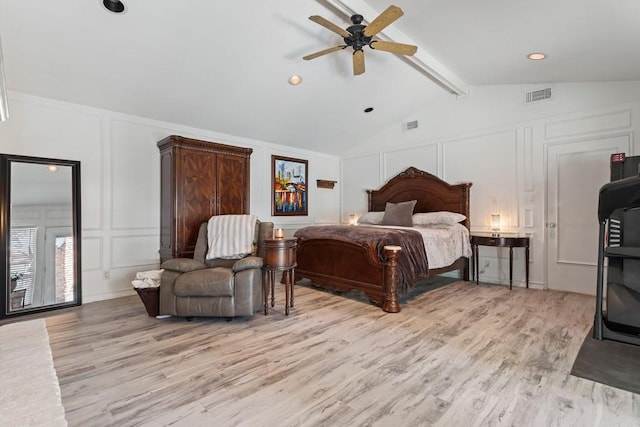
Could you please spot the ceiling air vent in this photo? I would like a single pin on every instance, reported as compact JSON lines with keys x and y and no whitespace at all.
{"x":537,"y":95}
{"x":411,"y":125}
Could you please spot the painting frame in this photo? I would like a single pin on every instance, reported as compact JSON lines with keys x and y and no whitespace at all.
{"x":289,"y":186}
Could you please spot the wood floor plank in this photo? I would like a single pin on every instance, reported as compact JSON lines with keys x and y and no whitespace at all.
{"x":458,"y":355}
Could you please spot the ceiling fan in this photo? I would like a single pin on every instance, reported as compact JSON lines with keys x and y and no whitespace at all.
{"x":358,"y":36}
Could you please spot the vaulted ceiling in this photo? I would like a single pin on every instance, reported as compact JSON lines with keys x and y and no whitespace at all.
{"x":224,"y":66}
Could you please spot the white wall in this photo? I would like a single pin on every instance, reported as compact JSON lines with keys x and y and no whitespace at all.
{"x":492,"y":139}
{"x":121,"y":181}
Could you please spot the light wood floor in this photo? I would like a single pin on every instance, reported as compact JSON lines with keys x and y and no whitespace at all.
{"x":459,"y":355}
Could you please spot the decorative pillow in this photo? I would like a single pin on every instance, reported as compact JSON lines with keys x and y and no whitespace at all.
{"x":437,"y":218}
{"x":399,"y":213}
{"x":371,"y":218}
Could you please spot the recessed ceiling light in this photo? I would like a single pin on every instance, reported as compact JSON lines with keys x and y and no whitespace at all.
{"x":295,"y":80}
{"x":114,"y":6}
{"x":537,"y":56}
{"x":368,"y":109}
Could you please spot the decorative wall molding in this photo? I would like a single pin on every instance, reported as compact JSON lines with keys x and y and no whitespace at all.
{"x":423,"y":157}
{"x":132,"y":251}
{"x":490,"y":161}
{"x":588,"y":124}
{"x":527,"y":182}
{"x":92,"y":253}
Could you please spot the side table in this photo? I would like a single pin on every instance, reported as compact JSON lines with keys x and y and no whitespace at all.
{"x":500,"y":241}
{"x":280,"y":255}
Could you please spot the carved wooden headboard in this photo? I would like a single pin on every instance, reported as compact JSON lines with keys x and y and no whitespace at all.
{"x":432,"y":193}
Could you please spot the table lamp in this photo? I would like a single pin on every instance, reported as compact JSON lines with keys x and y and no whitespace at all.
{"x":495,"y":225}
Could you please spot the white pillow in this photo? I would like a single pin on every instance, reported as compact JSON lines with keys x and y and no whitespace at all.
{"x":437,"y":218}
{"x":371,"y":218}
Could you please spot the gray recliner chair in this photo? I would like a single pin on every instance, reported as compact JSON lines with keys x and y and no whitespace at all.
{"x":218,"y":287}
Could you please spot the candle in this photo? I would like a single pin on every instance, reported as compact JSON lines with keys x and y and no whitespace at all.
{"x":278,"y":233}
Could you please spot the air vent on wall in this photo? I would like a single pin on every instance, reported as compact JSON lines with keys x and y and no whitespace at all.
{"x":410,"y":125}
{"x":537,"y":95}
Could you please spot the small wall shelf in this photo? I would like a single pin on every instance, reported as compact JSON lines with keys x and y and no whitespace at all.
{"x":323,"y":183}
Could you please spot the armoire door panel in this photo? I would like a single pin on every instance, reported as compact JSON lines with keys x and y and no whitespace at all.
{"x":166,"y":201}
{"x":198,"y":188}
{"x":232,"y":181}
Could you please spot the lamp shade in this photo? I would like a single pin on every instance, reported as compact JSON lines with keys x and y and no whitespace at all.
{"x":495,"y":223}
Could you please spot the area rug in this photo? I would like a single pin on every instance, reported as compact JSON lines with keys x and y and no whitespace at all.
{"x":609,"y":362}
{"x":29,"y":389}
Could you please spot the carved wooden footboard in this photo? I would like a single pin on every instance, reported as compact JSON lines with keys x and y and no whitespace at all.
{"x":347,"y":266}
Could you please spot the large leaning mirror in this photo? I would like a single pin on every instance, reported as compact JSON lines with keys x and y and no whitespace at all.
{"x":40,"y":234}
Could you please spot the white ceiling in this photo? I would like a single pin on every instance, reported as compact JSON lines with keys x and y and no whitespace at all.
{"x":35,"y":184}
{"x":224,"y":66}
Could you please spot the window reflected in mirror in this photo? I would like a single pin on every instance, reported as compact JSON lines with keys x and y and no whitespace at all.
{"x":42,"y":235}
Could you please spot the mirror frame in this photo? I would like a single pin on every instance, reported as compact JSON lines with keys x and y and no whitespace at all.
{"x":6,"y":161}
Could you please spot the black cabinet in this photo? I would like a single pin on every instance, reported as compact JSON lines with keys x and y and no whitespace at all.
{"x":619,"y":247}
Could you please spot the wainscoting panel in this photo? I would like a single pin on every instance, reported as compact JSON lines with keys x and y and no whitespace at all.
{"x":129,"y":251}
{"x":360,"y":174}
{"x":92,"y":253}
{"x":490,"y":162}
{"x":323,"y":202}
{"x":607,"y":121}
{"x":135,"y":176}
{"x":424,"y":158}
{"x":528,"y":159}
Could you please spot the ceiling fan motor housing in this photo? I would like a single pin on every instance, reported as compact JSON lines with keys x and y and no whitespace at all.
{"x":357,"y":40}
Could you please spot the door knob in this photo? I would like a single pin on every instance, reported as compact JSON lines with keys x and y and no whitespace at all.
{"x":551,"y":225}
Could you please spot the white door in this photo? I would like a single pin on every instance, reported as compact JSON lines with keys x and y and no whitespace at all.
{"x":575,"y":173}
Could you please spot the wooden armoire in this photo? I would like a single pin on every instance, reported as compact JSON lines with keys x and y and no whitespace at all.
{"x":199,"y":179}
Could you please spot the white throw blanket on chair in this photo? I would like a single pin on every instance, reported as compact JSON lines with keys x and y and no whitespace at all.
{"x":230,"y":236}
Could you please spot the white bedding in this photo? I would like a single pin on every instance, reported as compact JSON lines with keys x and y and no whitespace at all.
{"x":443,"y":245}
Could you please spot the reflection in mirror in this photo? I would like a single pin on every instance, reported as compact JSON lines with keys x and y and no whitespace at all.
{"x":41,"y":241}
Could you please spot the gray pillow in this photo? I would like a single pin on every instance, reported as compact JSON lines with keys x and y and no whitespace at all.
{"x":399,"y":213}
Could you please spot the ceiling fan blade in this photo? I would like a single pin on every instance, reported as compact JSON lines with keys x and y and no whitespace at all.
{"x":324,"y":52}
{"x":358,"y":62}
{"x":400,"y":48}
{"x":383,"y":20}
{"x":329,"y":25}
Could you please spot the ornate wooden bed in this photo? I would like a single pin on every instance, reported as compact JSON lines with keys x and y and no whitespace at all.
{"x":345,"y":266}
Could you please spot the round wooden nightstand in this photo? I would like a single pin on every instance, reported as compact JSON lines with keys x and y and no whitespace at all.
{"x":280,"y":255}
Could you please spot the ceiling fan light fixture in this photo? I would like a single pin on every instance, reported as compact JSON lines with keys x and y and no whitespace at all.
{"x":537,"y":56}
{"x":114,"y":6}
{"x":295,"y":80}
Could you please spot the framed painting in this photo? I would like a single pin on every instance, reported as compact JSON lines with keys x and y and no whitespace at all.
{"x":289,"y":195}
